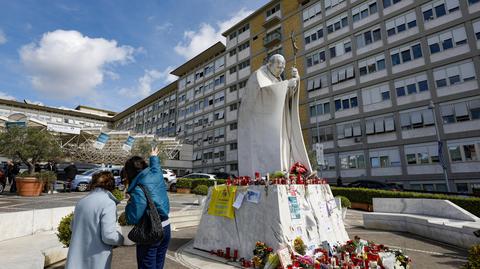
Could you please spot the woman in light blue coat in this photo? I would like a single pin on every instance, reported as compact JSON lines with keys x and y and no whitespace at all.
{"x":94,"y":230}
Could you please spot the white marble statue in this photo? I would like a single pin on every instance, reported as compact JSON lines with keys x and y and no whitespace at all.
{"x":269,"y":132}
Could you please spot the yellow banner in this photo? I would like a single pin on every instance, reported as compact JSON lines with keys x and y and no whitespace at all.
{"x":221,"y":203}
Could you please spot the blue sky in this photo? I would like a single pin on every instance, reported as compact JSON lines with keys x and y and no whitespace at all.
{"x":104,"y":53}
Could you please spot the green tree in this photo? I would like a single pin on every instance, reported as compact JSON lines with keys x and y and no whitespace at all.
{"x":30,"y":145}
{"x":143,"y":146}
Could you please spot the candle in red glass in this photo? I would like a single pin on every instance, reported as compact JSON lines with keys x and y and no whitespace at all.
{"x":289,"y":267}
{"x":296,"y":264}
{"x":227,"y":253}
{"x":235,"y":254}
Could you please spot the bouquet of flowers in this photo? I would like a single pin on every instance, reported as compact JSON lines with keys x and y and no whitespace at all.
{"x":261,"y":254}
{"x":298,"y":168}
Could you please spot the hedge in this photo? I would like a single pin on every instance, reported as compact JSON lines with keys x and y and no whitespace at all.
{"x":362,"y":195}
{"x":192,"y":183}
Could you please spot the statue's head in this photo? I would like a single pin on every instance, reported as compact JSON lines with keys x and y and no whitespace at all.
{"x":276,"y":64}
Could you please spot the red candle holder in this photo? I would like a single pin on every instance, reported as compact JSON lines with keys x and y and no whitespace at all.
{"x":235,"y":254}
{"x":227,"y":253}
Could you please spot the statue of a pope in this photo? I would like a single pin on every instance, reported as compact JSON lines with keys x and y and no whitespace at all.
{"x":269,"y":132}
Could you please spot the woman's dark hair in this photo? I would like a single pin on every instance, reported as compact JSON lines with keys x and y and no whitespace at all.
{"x":133,"y":167}
{"x":104,"y":180}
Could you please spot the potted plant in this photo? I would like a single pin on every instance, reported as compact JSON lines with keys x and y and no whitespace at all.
{"x":30,"y":145}
{"x":201,"y":191}
{"x":125,"y":228}
{"x":345,"y":204}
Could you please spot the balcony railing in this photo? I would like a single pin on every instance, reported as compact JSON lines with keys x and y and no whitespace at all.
{"x":272,"y":39}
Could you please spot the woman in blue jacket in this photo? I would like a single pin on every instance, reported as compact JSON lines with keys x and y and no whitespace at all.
{"x":139,"y":173}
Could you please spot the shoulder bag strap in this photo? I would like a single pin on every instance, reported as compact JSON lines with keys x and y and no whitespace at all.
{"x":150,"y":202}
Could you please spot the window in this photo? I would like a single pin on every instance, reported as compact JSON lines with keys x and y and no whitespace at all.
{"x":244,"y":28}
{"x":243,"y":64}
{"x":233,"y":146}
{"x":411,"y":85}
{"x":462,"y":111}
{"x":233,"y":52}
{"x":273,"y":10}
{"x":313,"y":35}
{"x":349,"y":130}
{"x":317,"y":82}
{"x":388,"y":3}
{"x":233,"y":107}
{"x":232,"y":35}
{"x":321,"y":108}
{"x":465,"y":151}
{"x":363,"y":11}
{"x":375,"y":94}
{"x":462,"y":187}
{"x":476,"y":29}
{"x":233,"y":126}
{"x":311,"y":12}
{"x":454,"y":74}
{"x":401,"y":23}
{"x":209,"y":69}
{"x":371,"y":65}
{"x":233,"y":70}
{"x":406,"y":54}
{"x":233,"y":88}
{"x":219,"y":80}
{"x":340,"y":48}
{"x":379,"y":125}
{"x":315,"y":58}
{"x":322,"y":134}
{"x":384,"y":158}
{"x":244,"y":46}
{"x":332,"y":3}
{"x":337,"y":23}
{"x":447,"y":40}
{"x":416,"y":119}
{"x":368,"y":37}
{"x":342,"y":74}
{"x":242,"y":84}
{"x":346,"y":102}
{"x":437,"y":9}
{"x":422,"y":154}
{"x":352,"y":161}
{"x":233,"y":167}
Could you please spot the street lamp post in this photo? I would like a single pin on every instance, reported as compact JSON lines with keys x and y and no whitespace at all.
{"x":440,"y":144}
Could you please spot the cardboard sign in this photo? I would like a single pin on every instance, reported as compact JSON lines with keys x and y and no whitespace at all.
{"x":101,"y":141}
{"x":284,"y":257}
{"x":221,"y":203}
{"x":127,"y":146}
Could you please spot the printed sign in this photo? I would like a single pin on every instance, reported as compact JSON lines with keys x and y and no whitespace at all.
{"x":331,"y":205}
{"x":319,"y":153}
{"x":221,"y":203}
{"x":253,"y":196}
{"x":63,"y":128}
{"x":127,"y":146}
{"x":239,"y":200}
{"x":10,"y":124}
{"x":294,"y":208}
{"x":284,"y":257}
{"x":101,"y":141}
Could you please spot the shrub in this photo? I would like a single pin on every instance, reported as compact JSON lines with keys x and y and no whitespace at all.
{"x":345,"y":202}
{"x":473,"y":258}
{"x":122,"y":219}
{"x":200,"y":190}
{"x":118,"y":194}
{"x":184,"y":183}
{"x":362,"y":195}
{"x":192,"y":183}
{"x":64,"y":231}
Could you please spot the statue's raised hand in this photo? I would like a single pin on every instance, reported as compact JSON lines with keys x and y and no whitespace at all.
{"x":293,"y":82}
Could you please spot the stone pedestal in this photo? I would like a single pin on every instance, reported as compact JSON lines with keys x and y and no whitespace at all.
{"x":271,"y":220}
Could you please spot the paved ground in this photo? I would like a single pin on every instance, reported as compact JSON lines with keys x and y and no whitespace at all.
{"x":425,"y":253}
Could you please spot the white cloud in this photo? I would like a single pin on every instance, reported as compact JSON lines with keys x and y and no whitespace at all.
{"x":165,"y":27}
{"x":197,"y":41}
{"x":6,"y":96}
{"x":144,"y":83}
{"x":66,"y":64}
{"x":3,"y":38}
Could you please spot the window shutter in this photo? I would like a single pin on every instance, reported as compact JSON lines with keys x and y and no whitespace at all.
{"x":461,"y":109}
{"x":389,"y":124}
{"x":459,"y":34}
{"x":369,"y":127}
{"x":428,"y":117}
{"x":467,"y":70}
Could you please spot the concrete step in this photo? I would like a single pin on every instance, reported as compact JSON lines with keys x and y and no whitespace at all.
{"x":185,"y":213}
{"x":185,"y":218}
{"x":181,"y":225}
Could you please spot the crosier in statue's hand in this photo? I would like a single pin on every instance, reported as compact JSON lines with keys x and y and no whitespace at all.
{"x":293,"y":82}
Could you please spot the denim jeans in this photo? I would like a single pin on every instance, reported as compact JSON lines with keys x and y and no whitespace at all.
{"x":153,"y":256}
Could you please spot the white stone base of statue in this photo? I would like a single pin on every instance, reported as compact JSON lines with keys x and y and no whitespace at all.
{"x":271,"y":220}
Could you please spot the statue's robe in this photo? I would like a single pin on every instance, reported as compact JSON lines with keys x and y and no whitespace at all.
{"x":269,"y":132}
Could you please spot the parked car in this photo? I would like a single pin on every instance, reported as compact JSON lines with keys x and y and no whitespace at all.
{"x":371,"y":184}
{"x":82,"y":181}
{"x":222,"y":175}
{"x":200,"y":175}
{"x":170,"y":179}
{"x":81,"y":167}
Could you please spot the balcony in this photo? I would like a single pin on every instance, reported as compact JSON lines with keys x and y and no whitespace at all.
{"x":272,"y":19}
{"x":272,"y":39}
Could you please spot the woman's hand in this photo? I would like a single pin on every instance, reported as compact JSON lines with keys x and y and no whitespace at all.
{"x":154,"y":151}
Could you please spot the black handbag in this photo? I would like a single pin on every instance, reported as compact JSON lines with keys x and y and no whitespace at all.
{"x":149,"y":229}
